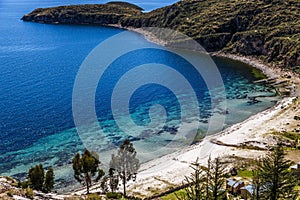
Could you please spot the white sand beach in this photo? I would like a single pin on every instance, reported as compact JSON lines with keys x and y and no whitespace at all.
{"x":254,"y":133}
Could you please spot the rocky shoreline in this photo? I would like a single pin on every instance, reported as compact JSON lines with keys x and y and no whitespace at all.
{"x":286,"y":82}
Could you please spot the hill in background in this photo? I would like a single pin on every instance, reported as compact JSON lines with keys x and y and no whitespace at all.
{"x":268,"y":29}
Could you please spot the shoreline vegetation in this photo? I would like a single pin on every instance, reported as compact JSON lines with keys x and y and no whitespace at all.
{"x":276,"y":54}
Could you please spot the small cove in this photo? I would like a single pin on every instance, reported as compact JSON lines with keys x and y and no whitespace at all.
{"x":39,"y":64}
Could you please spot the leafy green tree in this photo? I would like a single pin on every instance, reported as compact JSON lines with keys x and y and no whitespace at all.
{"x":36,"y":177}
{"x":125,"y":163}
{"x":86,"y":167}
{"x":277,"y":181}
{"x":49,"y":180}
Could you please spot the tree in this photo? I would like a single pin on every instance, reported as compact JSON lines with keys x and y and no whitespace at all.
{"x":38,"y":180}
{"x":205,"y":183}
{"x":256,"y":181}
{"x":125,"y":163}
{"x":277,"y":181}
{"x":49,"y":180}
{"x":86,"y":167}
{"x":104,"y":184}
{"x":207,"y":178}
{"x":113,"y":180}
{"x":195,"y":189}
{"x":36,"y":177}
{"x":218,"y":178}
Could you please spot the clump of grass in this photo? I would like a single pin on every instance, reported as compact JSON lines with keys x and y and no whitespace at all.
{"x":113,"y":195}
{"x":29,"y":193}
{"x":10,"y":193}
{"x":246,"y":173}
{"x":73,"y":198}
{"x":291,"y":135}
{"x":258,"y":74}
{"x":93,"y":197}
{"x":172,"y":196}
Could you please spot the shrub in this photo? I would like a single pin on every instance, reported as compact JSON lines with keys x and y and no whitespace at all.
{"x":296,"y":118}
{"x":132,"y":198}
{"x":23,"y":184}
{"x":29,"y":193}
{"x":113,"y":195}
{"x":93,"y":197}
{"x":73,"y":198}
{"x":10,"y":193}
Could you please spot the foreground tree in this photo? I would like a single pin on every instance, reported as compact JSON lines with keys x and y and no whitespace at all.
{"x":195,"y":189}
{"x":113,"y":180}
{"x":39,"y":181}
{"x":49,"y":180}
{"x":207,"y":179}
{"x":36,"y":177}
{"x":125,"y":163}
{"x":257,"y":183}
{"x":205,"y":183}
{"x":276,"y":181}
{"x":217,"y":180}
{"x":86,"y":167}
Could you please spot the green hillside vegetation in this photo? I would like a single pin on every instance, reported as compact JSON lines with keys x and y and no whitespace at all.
{"x":268,"y":29}
{"x":125,"y":4}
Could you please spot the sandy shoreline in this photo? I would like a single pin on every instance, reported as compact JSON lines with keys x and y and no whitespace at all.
{"x":165,"y":172}
{"x":168,"y":171}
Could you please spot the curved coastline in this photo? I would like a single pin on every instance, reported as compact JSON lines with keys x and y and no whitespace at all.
{"x":251,"y":132}
{"x":249,"y":138}
{"x":272,"y":72}
{"x":171,"y":169}
{"x":269,"y":69}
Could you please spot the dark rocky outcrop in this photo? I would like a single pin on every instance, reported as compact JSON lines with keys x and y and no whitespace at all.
{"x":269,"y":30}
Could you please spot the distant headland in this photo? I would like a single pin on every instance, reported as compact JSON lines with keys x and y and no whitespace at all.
{"x":268,"y":30}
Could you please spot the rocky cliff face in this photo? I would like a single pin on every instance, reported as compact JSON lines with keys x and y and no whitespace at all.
{"x":268,"y":29}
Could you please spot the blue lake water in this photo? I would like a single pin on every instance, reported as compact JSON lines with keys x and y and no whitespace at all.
{"x":38,"y":67}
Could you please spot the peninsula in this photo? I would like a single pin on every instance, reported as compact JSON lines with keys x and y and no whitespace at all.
{"x":268,"y":30}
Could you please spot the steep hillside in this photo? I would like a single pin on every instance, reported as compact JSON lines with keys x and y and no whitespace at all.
{"x":269,"y":29}
{"x":101,"y":14}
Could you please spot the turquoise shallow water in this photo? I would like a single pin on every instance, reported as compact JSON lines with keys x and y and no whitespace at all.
{"x":39,"y":64}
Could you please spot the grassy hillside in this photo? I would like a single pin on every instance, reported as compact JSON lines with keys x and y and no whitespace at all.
{"x":125,"y":4}
{"x":269,"y":29}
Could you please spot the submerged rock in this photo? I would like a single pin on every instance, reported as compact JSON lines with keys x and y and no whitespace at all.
{"x":252,"y":100}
